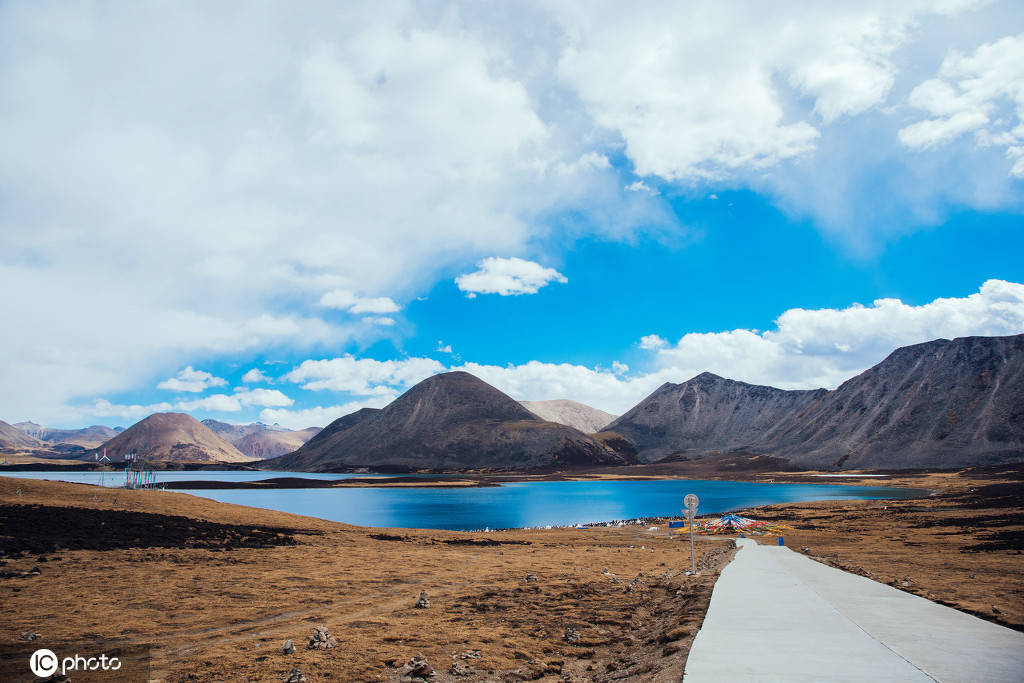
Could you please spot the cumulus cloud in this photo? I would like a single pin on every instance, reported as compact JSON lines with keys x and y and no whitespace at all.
{"x":980,"y":93}
{"x":191,"y":380}
{"x":652,"y":341}
{"x":507,"y":277}
{"x":695,"y":88}
{"x":218,"y":403}
{"x":823,"y":348}
{"x":347,"y":300}
{"x":365,"y":150}
{"x":363,"y":376}
{"x":319,"y":416}
{"x":255,"y":376}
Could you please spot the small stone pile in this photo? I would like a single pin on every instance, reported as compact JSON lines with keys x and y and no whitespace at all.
{"x":422,"y":602}
{"x":530,"y":578}
{"x":572,"y":635}
{"x":295,"y":676}
{"x":287,"y":648}
{"x":416,"y":670}
{"x":321,"y":639}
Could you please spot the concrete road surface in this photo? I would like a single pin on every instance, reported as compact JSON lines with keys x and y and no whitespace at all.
{"x":778,"y":616}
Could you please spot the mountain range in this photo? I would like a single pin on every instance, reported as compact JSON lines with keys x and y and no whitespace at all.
{"x":938,"y":404}
{"x":576,"y":415}
{"x":260,"y":441}
{"x":450,"y":421}
{"x":172,"y":437}
{"x":85,"y":438}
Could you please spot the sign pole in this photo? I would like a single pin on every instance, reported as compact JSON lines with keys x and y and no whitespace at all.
{"x":691,"y":501}
{"x":693,"y":558}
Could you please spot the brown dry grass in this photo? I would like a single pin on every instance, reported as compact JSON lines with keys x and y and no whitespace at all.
{"x":223,"y":614}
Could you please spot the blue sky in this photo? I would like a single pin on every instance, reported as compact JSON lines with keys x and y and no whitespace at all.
{"x":569,"y":200}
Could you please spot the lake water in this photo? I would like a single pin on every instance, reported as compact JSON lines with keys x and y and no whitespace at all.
{"x":556,"y":503}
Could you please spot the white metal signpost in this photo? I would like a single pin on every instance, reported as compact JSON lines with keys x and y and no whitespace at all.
{"x":691,"y":501}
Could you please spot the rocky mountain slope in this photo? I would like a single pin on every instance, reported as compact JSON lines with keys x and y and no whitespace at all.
{"x":938,"y":404}
{"x":86,"y":437}
{"x":708,"y":413}
{"x":13,"y":439}
{"x":174,"y":437}
{"x":570,"y":413}
{"x":260,"y":441}
{"x":448,"y":422}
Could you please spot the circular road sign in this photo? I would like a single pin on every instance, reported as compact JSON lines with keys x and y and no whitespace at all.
{"x":690,"y":501}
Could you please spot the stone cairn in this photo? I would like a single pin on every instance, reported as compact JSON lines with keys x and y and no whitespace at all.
{"x":422,"y":602}
{"x":321,"y":639}
{"x":416,"y":670}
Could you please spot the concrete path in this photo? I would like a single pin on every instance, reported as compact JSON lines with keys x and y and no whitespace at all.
{"x":778,"y":616}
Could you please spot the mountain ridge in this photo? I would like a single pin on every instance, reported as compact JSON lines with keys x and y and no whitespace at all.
{"x":942,"y":403}
{"x":449,"y":421}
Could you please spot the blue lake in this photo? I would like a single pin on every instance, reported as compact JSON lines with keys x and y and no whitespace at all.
{"x":531,"y":504}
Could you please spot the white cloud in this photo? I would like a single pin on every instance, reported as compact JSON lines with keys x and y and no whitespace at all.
{"x":695,"y":89}
{"x":384,"y":322}
{"x":262,"y":397}
{"x":105,"y":408}
{"x":507,"y":276}
{"x":443,"y":348}
{"x":348,"y":301}
{"x":255,"y":376}
{"x":363,"y":376}
{"x":652,"y":341}
{"x":969,"y":95}
{"x":283,"y":155}
{"x":823,"y":348}
{"x":191,"y":380}
{"x":220,"y":403}
{"x":619,"y":368}
{"x":639,"y":186}
{"x":320,"y":416}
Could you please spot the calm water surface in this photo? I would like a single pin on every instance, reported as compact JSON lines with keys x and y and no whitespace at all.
{"x":544,"y":503}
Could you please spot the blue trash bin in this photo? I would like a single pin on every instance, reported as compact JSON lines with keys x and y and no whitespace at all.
{"x":781,"y":542}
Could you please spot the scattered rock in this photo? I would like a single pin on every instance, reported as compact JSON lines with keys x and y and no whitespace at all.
{"x":321,"y":639}
{"x":295,"y":676}
{"x":458,"y":669}
{"x":287,"y":648}
{"x":416,"y":670}
{"x":422,"y":602}
{"x":996,"y":610}
{"x":29,"y":635}
{"x":530,"y":578}
{"x":635,"y":583}
{"x":805,"y":549}
{"x":572,"y":635}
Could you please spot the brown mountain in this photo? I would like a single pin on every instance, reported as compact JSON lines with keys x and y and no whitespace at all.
{"x":570,"y":413}
{"x":451,"y":421}
{"x":86,"y":437}
{"x":172,"y":437}
{"x":270,"y":443}
{"x":13,"y":439}
{"x":708,"y":413}
{"x":232,"y":432}
{"x":259,"y":441}
{"x":938,"y":404}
